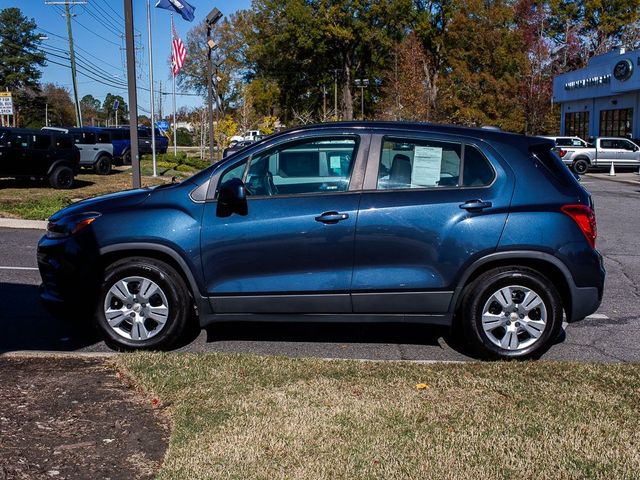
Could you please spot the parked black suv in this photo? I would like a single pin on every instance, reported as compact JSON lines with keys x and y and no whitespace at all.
{"x":26,"y":153}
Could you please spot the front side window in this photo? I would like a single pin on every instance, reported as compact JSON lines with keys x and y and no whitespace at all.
{"x":419,"y":164}
{"x":305,"y":167}
{"x":64,"y":141}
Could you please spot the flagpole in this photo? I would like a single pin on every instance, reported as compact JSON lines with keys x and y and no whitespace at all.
{"x":151,"y":95}
{"x":175,"y":126}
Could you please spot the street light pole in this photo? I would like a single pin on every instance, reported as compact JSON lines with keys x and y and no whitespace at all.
{"x":362,"y":84}
{"x":214,"y":17}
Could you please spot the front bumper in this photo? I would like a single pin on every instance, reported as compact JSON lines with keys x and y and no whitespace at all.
{"x":68,"y":272}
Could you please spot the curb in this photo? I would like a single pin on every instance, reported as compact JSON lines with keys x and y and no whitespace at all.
{"x":18,"y":223}
{"x":613,"y":179}
{"x":54,"y":354}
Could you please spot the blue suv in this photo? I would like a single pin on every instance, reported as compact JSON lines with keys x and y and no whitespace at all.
{"x":395,"y":222}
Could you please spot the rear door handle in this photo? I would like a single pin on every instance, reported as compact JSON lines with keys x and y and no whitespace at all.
{"x":472,"y":205}
{"x":332,"y":217}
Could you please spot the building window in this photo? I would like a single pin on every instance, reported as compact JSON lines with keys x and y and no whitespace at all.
{"x":616,"y":123}
{"x":576,"y":124}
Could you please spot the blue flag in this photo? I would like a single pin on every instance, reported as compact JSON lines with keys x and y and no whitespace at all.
{"x":179,"y":6}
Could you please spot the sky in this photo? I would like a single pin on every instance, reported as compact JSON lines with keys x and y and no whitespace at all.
{"x":98,"y":27}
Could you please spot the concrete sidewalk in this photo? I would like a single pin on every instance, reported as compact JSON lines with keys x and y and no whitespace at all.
{"x":625,"y":176}
{"x":18,"y":223}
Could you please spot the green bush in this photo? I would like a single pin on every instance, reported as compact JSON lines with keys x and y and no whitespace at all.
{"x":184,"y":168}
{"x":166,"y":165}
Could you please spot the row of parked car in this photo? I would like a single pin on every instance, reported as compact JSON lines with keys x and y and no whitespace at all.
{"x":581,"y":156}
{"x":58,"y":154}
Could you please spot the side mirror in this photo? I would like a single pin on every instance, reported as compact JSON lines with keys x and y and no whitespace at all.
{"x":232,"y":198}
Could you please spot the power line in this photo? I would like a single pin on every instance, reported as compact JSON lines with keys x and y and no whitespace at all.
{"x":108,"y":27}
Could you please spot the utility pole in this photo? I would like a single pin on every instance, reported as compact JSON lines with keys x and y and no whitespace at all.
{"x":133,"y":94}
{"x":46,"y":114}
{"x":324,"y":103}
{"x":362,"y":84}
{"x":67,"y":4}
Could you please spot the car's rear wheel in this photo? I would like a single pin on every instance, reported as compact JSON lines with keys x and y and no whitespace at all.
{"x":511,"y":312}
{"x":143,"y":304}
{"x":102,"y":165}
{"x":580,"y":166}
{"x":61,"y":177}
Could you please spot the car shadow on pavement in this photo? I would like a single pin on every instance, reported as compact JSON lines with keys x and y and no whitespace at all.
{"x":26,"y":325}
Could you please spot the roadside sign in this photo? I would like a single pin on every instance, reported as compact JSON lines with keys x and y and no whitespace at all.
{"x":162,"y":124}
{"x":116,"y":104}
{"x":6,"y":103}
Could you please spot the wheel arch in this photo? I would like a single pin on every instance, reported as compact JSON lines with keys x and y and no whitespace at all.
{"x":163,"y":253}
{"x":57,"y":163}
{"x":546,"y":264}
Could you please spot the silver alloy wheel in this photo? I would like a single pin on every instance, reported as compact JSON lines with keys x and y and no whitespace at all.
{"x":514,"y":317}
{"x":136,"y":308}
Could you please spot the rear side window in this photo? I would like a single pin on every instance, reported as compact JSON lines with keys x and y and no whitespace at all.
{"x":89,"y":138}
{"x":419,"y":164}
{"x":41,"y":142}
{"x":104,"y":138}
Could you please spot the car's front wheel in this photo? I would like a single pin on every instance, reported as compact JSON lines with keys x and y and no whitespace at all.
{"x":143,"y":304}
{"x":511,"y":312}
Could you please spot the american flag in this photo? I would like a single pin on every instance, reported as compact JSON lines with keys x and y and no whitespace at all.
{"x":178,"y":53}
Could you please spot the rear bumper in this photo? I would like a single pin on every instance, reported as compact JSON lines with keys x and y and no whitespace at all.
{"x":585,"y":301}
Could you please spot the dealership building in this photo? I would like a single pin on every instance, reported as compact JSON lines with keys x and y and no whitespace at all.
{"x":602,"y":99}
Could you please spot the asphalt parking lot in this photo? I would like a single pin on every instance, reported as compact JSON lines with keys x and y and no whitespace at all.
{"x":612,"y":334}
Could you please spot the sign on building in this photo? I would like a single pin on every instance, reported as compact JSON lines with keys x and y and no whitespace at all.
{"x":6,"y":103}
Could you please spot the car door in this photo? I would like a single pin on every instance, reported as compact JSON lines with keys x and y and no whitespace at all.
{"x":607,"y":152}
{"x":627,"y":153}
{"x":41,"y":153}
{"x":293,"y":251}
{"x":430,"y":205}
{"x":16,"y":153}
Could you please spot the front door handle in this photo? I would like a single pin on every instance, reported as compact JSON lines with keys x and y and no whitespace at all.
{"x":473,"y":205}
{"x":332,"y":217}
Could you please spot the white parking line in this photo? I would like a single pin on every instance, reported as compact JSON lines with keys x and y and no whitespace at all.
{"x":18,"y":268}
{"x":598,"y":316}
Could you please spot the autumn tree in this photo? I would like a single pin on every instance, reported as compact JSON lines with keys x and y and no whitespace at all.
{"x":405,"y":90}
{"x":485,"y":58}
{"x":61,"y":111}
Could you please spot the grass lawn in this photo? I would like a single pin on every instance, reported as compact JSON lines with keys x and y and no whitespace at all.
{"x":244,"y":416}
{"x":36,"y":200}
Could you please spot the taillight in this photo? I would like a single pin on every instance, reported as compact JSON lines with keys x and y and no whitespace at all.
{"x":585,"y":218}
{"x":562,"y":153}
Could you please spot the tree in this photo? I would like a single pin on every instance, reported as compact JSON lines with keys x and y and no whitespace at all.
{"x":224,"y":130}
{"x":193,"y":75}
{"x":91,"y":108}
{"x":109,"y":111}
{"x":20,"y":58}
{"x":484,"y":63}
{"x":302,"y":44}
{"x":406,"y":91}
{"x":60,"y":108}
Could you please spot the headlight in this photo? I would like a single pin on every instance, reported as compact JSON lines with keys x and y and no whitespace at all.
{"x":70,"y":225}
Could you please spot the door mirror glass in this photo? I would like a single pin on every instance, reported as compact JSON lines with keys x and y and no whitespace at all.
{"x":232,"y":198}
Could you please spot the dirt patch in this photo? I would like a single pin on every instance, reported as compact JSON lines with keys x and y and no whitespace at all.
{"x":73,"y":418}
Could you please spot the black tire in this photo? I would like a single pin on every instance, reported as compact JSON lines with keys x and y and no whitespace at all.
{"x":61,"y":177}
{"x":480,"y":291}
{"x":102,"y":165}
{"x":126,"y":158}
{"x":173,"y":287}
{"x":580,"y":166}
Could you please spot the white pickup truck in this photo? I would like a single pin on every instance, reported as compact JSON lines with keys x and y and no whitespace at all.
{"x":619,"y":151}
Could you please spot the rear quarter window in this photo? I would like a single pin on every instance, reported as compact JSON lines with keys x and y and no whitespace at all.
{"x":548,"y":158}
